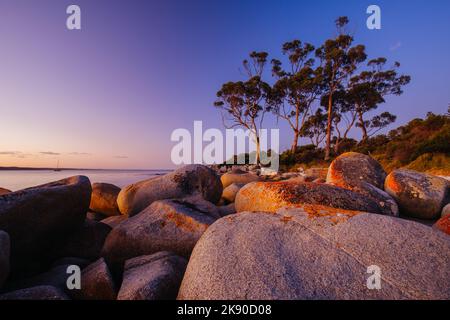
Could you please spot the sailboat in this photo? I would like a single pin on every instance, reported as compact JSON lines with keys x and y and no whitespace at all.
{"x":57,"y":167}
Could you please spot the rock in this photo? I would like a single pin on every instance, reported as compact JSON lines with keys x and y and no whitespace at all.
{"x":4,"y":191}
{"x":85,"y":242}
{"x":293,"y":254}
{"x":198,"y":203}
{"x":153,"y":277}
{"x":443,"y":224}
{"x":55,"y":277}
{"x":223,"y":169}
{"x":38,"y":217}
{"x":114,"y":221}
{"x":80,"y":262}
{"x":360,"y":173}
{"x":227,"y":210}
{"x":319,"y":180}
{"x":271,"y":196}
{"x":4,"y":256}
{"x":36,"y":293}
{"x":268,"y":172}
{"x":312,"y":174}
{"x":291,"y":175}
{"x":299,"y":179}
{"x":166,"y":225}
{"x":446,"y":210}
{"x":96,"y":283}
{"x":238,"y":177}
{"x":104,"y":199}
{"x":350,"y":168}
{"x":186,"y":181}
{"x":383,"y":199}
{"x":95,"y":216}
{"x":418,"y":195}
{"x":229,"y":193}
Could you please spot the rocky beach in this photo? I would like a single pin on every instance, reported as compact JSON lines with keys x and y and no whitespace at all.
{"x":230,"y":232}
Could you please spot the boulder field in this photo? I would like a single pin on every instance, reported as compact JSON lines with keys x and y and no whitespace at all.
{"x":186,"y":181}
{"x":231,"y":233}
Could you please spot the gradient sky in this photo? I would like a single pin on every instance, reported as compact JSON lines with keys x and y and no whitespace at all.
{"x":110,"y":95}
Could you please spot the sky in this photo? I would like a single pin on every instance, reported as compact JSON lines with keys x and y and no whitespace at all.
{"x":110,"y":95}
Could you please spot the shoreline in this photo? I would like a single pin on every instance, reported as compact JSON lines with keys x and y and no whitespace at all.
{"x":74,"y":169}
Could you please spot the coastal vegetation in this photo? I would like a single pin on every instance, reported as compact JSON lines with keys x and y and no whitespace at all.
{"x":322,"y":93}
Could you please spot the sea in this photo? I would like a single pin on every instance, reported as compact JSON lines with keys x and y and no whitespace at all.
{"x":20,"y":179}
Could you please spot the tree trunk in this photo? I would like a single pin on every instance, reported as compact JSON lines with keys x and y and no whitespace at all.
{"x":295,"y":142}
{"x":330,"y":111}
{"x":258,"y":151}
{"x":363,"y":126}
{"x":336,"y":146}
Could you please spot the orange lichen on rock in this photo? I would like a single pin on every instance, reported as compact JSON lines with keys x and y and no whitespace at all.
{"x":443,"y":224}
{"x":183,"y":221}
{"x":393,"y":184}
{"x":286,"y":218}
{"x":316,"y":211}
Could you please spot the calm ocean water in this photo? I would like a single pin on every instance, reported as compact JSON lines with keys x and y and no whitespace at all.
{"x":19,"y":179}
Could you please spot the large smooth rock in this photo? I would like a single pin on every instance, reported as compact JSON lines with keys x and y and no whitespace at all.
{"x":4,"y":256}
{"x":230,"y":192}
{"x":227,"y":210}
{"x":96,"y":283}
{"x":96,"y":216}
{"x":387,"y":204}
{"x":295,"y":255}
{"x":238,"y":177}
{"x":80,"y":262}
{"x":38,"y":217}
{"x":446,"y":210}
{"x":419,"y":195}
{"x":361,"y":173}
{"x":36,"y":293}
{"x":56,"y":277}
{"x":443,"y":224}
{"x":84,"y":242}
{"x":271,"y":196}
{"x":104,"y":199}
{"x":152,"y":277}
{"x":114,"y":221}
{"x":166,"y":225}
{"x":351,"y":168}
{"x":4,"y":191}
{"x":186,"y":181}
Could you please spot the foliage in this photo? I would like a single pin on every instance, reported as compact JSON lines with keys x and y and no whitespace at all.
{"x":421,"y":144}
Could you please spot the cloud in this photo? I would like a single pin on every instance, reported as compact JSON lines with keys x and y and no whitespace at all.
{"x":10,"y":153}
{"x":49,"y":153}
{"x":17,"y":154}
{"x":396,"y":46}
{"x":121,"y":157}
{"x":80,"y":154}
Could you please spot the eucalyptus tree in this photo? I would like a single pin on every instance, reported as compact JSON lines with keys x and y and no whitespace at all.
{"x":297,"y":86}
{"x":369,"y":88}
{"x":244,"y":102}
{"x":339,"y":60}
{"x":314,"y":127}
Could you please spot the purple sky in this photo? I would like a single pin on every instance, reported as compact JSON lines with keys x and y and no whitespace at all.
{"x":110,"y":95}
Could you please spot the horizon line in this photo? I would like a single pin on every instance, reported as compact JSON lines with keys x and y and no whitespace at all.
{"x":11,"y":168}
